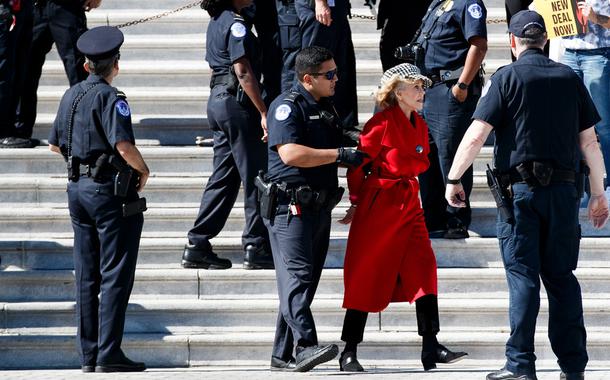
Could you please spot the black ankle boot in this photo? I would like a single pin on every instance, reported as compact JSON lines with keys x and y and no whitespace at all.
{"x":439,"y":354}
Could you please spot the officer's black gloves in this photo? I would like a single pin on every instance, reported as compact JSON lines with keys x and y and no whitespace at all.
{"x":350,"y":156}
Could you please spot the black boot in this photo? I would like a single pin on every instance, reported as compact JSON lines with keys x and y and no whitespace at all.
{"x":426,"y":309}
{"x":202,"y":258}
{"x":257,"y":258}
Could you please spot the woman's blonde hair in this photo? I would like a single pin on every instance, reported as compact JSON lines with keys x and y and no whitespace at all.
{"x":386,"y":95}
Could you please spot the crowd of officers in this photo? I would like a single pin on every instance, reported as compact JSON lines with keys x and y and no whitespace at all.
{"x":284,"y":141}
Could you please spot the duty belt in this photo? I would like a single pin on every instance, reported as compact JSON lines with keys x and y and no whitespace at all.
{"x":307,"y":197}
{"x":558,"y":176}
{"x":218,"y":79}
{"x":439,"y":76}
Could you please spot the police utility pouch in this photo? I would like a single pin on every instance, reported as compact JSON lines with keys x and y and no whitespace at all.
{"x":267,"y":195}
{"x":503,"y":201}
{"x":136,"y":207}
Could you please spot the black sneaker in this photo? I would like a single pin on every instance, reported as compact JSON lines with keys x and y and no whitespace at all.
{"x":309,"y":357}
{"x":203,"y":259}
{"x":257,"y":258}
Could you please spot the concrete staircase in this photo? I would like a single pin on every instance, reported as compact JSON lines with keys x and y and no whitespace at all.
{"x":180,"y":317}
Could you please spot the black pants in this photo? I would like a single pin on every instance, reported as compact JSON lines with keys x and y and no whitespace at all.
{"x":239,"y":154}
{"x":299,"y":245}
{"x":105,"y":253}
{"x":14,"y":51}
{"x":426,"y":309}
{"x":447,"y":121}
{"x":61,"y":23}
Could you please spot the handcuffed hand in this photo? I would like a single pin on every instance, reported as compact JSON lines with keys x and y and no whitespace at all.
{"x":142,"y":181}
{"x":349,"y":215}
{"x":598,"y":210}
{"x":455,"y":195}
{"x":350,"y":156}
{"x":459,"y":94}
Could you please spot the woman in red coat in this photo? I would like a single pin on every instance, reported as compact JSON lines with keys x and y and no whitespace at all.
{"x":389,"y":257}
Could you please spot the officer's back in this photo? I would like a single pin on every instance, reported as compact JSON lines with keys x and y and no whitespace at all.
{"x":542,"y":114}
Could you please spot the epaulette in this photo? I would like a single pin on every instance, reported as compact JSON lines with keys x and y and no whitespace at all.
{"x":238,"y":17}
{"x":293,"y":96}
{"x":121,"y":94}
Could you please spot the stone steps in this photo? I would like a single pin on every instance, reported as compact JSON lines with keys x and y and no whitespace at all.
{"x":236,"y":315}
{"x":163,"y":161}
{"x":193,"y":284}
{"x":180,"y":217}
{"x":254,"y":348}
{"x":52,"y":252}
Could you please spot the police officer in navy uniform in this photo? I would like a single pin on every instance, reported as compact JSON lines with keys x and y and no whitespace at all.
{"x":398,"y":21}
{"x":543,"y":118}
{"x":454,"y":39}
{"x":237,"y":117}
{"x":322,"y":23}
{"x":93,"y":132}
{"x":304,"y":137}
{"x":15,"y":36}
{"x":55,"y":21}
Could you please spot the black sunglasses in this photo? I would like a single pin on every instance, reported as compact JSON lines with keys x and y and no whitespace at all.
{"x":328,"y":75}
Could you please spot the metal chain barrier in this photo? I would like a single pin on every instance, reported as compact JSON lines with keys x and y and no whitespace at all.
{"x":497,"y":20}
{"x":160,"y":15}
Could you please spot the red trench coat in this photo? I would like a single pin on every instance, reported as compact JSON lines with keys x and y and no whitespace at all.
{"x":389,"y":257}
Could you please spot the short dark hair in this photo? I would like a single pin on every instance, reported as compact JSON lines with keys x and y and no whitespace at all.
{"x":216,"y":7}
{"x":102,"y":67}
{"x":310,"y":59}
{"x":532,"y":37}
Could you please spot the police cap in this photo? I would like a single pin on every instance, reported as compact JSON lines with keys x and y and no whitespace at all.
{"x":101,"y":42}
{"x":524,"y":20}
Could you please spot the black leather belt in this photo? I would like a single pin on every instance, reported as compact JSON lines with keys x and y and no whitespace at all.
{"x":558,"y":176}
{"x":218,"y":79}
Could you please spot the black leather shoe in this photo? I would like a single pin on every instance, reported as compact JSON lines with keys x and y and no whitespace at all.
{"x":125,"y":365}
{"x":17,"y":142}
{"x":203,"y":259}
{"x":309,"y":357}
{"x":348,"y":362}
{"x":441,"y":355}
{"x":88,"y":368}
{"x":572,"y":376}
{"x":437,"y":234}
{"x":257,"y":258}
{"x":505,"y":374}
{"x":278,"y":364}
{"x":459,"y":232}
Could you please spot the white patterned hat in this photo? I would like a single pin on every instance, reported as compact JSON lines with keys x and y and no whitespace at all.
{"x":405,"y":71}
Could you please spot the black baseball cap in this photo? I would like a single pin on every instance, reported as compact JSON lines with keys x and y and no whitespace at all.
{"x":523,"y":20}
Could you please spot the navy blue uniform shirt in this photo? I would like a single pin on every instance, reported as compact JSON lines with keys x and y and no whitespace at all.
{"x":446,"y":29}
{"x":230,"y":38}
{"x":103,"y":108}
{"x":537,"y":108}
{"x":299,"y":122}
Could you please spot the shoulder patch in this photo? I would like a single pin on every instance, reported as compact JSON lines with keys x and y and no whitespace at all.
{"x":475,"y":11}
{"x":122,"y":107}
{"x":282,"y":112}
{"x":238,"y":30}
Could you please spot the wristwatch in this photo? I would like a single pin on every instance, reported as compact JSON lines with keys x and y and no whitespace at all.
{"x":453,"y":181}
{"x":462,"y":85}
